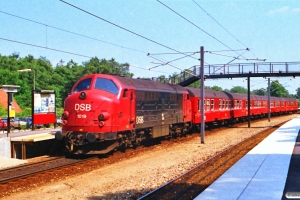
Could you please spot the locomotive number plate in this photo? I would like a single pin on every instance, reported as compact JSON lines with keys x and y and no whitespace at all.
{"x":81,"y":116}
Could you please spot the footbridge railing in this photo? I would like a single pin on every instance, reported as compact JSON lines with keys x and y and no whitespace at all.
{"x":239,"y":70}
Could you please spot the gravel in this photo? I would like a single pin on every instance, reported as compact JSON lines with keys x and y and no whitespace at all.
{"x":131,"y":178}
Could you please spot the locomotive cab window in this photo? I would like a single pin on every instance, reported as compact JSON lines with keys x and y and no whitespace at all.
{"x":83,"y":85}
{"x":106,"y":85}
{"x":125,"y":93}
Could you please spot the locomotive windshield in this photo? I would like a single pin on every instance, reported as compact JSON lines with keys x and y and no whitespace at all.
{"x":83,"y":85}
{"x":107,"y":85}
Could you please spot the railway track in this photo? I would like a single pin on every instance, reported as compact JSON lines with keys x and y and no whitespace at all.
{"x":13,"y":181}
{"x":196,"y":180}
{"x":26,"y":170}
{"x":25,"y":176}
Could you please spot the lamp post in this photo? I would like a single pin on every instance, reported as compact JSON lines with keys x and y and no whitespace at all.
{"x":32,"y":94}
{"x":29,"y":70}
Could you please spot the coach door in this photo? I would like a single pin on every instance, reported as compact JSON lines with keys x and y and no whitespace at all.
{"x":132,"y":107}
{"x":186,"y":107}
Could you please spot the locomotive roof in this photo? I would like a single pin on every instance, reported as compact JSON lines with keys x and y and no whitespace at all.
{"x":149,"y":85}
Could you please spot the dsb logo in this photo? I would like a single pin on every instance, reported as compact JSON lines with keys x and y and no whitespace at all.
{"x":83,"y":107}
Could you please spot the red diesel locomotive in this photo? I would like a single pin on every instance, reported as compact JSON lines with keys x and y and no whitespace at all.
{"x":104,"y":112}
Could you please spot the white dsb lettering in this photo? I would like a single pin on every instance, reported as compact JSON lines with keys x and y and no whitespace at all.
{"x":83,"y":107}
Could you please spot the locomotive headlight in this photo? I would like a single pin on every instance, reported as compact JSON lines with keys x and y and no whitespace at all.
{"x":103,"y":116}
{"x":82,"y":96}
{"x":65,"y":115}
{"x":101,"y":123}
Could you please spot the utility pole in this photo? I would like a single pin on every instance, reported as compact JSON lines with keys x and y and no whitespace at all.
{"x":269,"y":99}
{"x":202,"y":94}
{"x":249,"y":102}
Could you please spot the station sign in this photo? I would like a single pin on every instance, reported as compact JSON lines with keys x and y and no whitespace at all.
{"x":44,"y":109}
{"x":9,"y":88}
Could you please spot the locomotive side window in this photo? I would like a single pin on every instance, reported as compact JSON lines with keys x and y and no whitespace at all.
{"x":83,"y":85}
{"x":106,"y":85}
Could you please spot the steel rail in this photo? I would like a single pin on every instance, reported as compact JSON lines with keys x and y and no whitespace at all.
{"x":26,"y":170}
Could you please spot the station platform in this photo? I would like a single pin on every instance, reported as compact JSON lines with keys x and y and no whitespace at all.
{"x":14,"y":146}
{"x":271,"y":170}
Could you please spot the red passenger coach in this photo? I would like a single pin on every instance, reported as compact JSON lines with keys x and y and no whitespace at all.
{"x":104,"y":112}
{"x":217,"y":105}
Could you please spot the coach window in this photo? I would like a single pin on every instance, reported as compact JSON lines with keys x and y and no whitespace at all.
{"x":199,"y":102}
{"x":229,"y":104}
{"x":106,"y":85}
{"x":204,"y":104}
{"x":207,"y":104}
{"x":226,"y":104}
{"x":220,"y":104}
{"x":212,"y":104}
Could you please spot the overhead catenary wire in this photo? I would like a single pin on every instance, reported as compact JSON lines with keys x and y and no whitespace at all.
{"x":220,"y":25}
{"x":195,"y":25}
{"x":151,"y":70}
{"x":125,"y":29}
{"x":174,"y":66}
{"x":199,"y":27}
{"x":67,"y":52}
{"x":71,"y":32}
{"x":167,"y":63}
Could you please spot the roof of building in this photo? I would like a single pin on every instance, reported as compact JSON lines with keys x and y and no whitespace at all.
{"x":3,"y":102}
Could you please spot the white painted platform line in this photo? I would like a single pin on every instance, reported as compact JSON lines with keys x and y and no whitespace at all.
{"x":260,"y":174}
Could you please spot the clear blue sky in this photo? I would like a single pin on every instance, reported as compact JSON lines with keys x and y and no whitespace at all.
{"x":271,"y":29}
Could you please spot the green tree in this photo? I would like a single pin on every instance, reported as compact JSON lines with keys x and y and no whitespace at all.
{"x":298,"y":92}
{"x":216,"y":88}
{"x":239,"y":89}
{"x":277,"y":90}
{"x":260,"y":92}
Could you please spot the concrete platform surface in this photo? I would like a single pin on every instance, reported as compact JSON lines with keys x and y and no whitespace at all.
{"x":18,"y":133}
{"x":262,"y":173}
{"x":33,"y":138}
